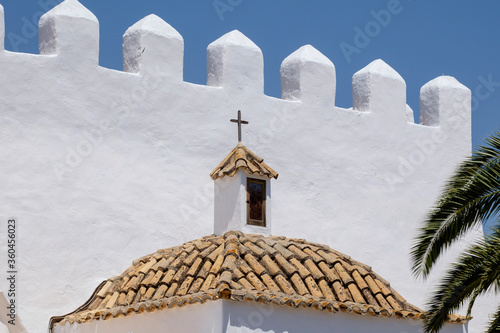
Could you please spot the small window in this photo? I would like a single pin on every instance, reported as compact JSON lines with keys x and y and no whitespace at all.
{"x":256,"y":202}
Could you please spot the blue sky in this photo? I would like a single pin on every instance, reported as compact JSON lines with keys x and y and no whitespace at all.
{"x":421,"y":39}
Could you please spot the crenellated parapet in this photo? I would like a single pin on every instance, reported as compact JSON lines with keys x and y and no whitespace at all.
{"x":235,"y":63}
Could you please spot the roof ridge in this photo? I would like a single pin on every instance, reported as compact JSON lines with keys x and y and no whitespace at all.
{"x":242,"y":157}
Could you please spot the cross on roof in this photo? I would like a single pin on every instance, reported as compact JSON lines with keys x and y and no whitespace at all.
{"x":239,"y":121}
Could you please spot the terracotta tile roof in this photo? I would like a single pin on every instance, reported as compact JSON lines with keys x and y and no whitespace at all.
{"x":243,"y":267}
{"x":242,"y":157}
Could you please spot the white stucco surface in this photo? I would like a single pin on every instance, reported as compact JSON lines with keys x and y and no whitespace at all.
{"x":193,"y":318}
{"x":230,"y":205}
{"x":239,"y":317}
{"x":101,"y":167}
{"x":165,"y":48}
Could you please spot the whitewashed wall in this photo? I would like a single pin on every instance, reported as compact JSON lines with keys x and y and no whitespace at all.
{"x":193,"y":318}
{"x":101,"y":167}
{"x":238,"y":317}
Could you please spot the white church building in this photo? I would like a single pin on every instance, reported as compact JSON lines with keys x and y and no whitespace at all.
{"x":103,"y":168}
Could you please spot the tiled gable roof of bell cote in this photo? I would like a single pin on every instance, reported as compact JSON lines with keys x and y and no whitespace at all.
{"x":243,"y":267}
{"x":242,"y":158}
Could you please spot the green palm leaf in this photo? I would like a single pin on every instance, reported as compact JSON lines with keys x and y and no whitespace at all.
{"x":495,"y":323}
{"x":470,"y":197}
{"x":475,"y":273}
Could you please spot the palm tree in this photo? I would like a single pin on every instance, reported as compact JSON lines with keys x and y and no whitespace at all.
{"x":471,"y":197}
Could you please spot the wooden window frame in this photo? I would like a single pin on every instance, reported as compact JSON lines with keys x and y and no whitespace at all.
{"x":259,"y":223}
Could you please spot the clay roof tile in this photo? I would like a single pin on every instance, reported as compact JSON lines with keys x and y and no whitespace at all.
{"x":244,"y":267}
{"x":242,"y":158}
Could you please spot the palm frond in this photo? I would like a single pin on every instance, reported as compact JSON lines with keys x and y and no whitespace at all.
{"x":470,"y":197}
{"x":494,"y":326}
{"x":476,"y":271}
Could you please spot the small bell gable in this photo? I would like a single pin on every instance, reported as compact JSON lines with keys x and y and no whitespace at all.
{"x":242,"y":200}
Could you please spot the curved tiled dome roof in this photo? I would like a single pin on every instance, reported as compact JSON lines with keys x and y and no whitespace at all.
{"x":244,"y":267}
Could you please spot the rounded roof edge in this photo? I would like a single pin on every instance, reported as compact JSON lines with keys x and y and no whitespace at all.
{"x":244,"y":267}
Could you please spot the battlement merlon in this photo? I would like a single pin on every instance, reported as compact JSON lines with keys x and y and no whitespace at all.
{"x":152,"y":45}
{"x":235,"y":64}
{"x":446,"y":103}
{"x":379,"y":88}
{"x":307,"y":75}
{"x":71,"y":31}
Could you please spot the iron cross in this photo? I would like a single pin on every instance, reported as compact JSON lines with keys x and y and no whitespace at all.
{"x":239,"y":121}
